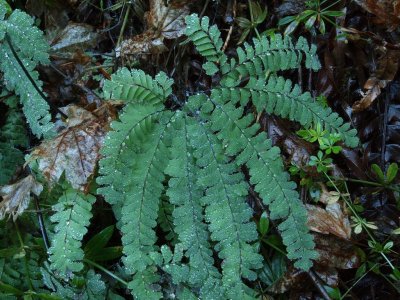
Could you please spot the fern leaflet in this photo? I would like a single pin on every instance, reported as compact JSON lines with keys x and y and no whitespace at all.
{"x":72,"y":216}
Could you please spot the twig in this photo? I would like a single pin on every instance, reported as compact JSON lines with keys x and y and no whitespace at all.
{"x":317,"y":282}
{"x":228,"y":37}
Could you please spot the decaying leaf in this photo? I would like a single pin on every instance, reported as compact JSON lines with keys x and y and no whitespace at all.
{"x":16,"y":197}
{"x":330,"y":220}
{"x":387,"y":11}
{"x":388,"y":65}
{"x":75,"y":150}
{"x":73,"y":37}
{"x":162,"y":22}
{"x":334,"y":254}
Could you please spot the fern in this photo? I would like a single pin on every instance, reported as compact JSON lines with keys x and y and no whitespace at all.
{"x":72,"y":215}
{"x":193,"y":158}
{"x":12,"y":136}
{"x":17,"y":31}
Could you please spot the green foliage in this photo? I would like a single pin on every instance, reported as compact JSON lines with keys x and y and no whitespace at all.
{"x":317,"y":13}
{"x":12,"y":137}
{"x":257,"y":17}
{"x":193,"y":159}
{"x":72,"y":216}
{"x":17,"y":31}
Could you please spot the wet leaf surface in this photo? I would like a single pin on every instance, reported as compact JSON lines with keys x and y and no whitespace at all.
{"x":75,"y":150}
{"x":162,"y":22}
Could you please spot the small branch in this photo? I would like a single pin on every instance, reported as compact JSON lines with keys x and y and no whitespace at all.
{"x":318,"y":284}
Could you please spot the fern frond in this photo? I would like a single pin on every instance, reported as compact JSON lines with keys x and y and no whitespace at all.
{"x":116,"y":166}
{"x":185,"y":195}
{"x":13,"y":131}
{"x":138,"y":87}
{"x":10,"y":159}
{"x":271,"y":55}
{"x":207,"y":40}
{"x":240,"y":138}
{"x":12,"y":135}
{"x":227,"y":211}
{"x":280,"y":97}
{"x":72,"y":215}
{"x":139,"y":212}
{"x":95,"y":288}
{"x":21,"y":273}
{"x":32,"y":49}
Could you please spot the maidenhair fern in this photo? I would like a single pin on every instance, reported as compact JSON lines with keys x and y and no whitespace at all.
{"x":72,"y":216}
{"x":23,"y":43}
{"x":194,"y":158}
{"x":13,"y":136}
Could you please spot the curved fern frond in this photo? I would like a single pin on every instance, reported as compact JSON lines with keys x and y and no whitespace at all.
{"x":207,"y":40}
{"x":72,"y":216}
{"x":280,"y":97}
{"x":137,"y":87}
{"x":115,"y":168}
{"x":185,"y":195}
{"x":227,"y":211}
{"x":32,"y":49}
{"x":240,"y":138}
{"x":139,"y":212}
{"x":271,"y":55}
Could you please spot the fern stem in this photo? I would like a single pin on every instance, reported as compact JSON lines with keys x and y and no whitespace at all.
{"x":366,"y":182}
{"x":101,"y":268}
{"x":31,"y":79}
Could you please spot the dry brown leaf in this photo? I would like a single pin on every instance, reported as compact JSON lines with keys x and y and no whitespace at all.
{"x":162,"y":22}
{"x":75,"y":36}
{"x":334,"y":254}
{"x":387,"y":11}
{"x":75,"y":150}
{"x":330,"y":220}
{"x":388,"y":65}
{"x":16,"y":197}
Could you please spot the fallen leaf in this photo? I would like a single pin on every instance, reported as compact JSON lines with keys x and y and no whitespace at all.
{"x":330,"y":220}
{"x":335,"y":253}
{"x":162,"y":22}
{"x":387,"y":11}
{"x":75,"y":150}
{"x":75,"y":36}
{"x":388,"y":65}
{"x":16,"y":197}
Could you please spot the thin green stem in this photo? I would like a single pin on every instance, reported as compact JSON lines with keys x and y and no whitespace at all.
{"x":358,"y":280}
{"x":121,"y":33}
{"x":359,"y":219}
{"x":101,"y":268}
{"x":366,"y":182}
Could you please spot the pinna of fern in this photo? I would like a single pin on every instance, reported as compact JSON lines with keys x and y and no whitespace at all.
{"x":194,"y":157}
